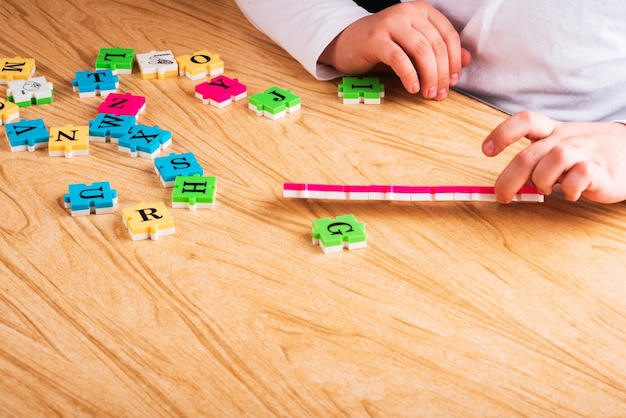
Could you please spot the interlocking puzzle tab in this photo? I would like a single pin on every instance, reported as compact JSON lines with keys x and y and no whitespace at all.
{"x":68,"y":141}
{"x":125,"y":104}
{"x":118,"y":60}
{"x":355,"y":90}
{"x":274,"y":103}
{"x":200,"y":64}
{"x":84,"y":199}
{"x":27,"y":135}
{"x":342,"y":232}
{"x":171,"y":166}
{"x":110,"y":128}
{"x":145,"y":141}
{"x":157,"y":64}
{"x":8,"y":112}
{"x":148,"y":221}
{"x":220,"y":91}
{"x":194,"y":192}
{"x":16,"y":69}
{"x":93,"y":83}
{"x":32,"y":91}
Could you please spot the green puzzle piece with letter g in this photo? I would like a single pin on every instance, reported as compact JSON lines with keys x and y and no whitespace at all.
{"x":343,"y":231}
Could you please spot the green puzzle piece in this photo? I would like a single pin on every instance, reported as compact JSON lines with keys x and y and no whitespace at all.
{"x":274,"y":102}
{"x":343,"y":231}
{"x":194,"y":192}
{"x":361,"y":89}
{"x":118,"y":60}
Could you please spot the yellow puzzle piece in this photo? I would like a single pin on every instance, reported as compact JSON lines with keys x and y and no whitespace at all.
{"x":148,"y":221}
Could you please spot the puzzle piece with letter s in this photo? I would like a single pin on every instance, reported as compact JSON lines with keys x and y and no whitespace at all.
{"x":342,"y":232}
{"x":171,"y":166}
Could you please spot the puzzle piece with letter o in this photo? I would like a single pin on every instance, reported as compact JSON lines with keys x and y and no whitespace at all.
{"x":199,"y":64}
{"x":342,"y":232}
{"x":148,"y":221}
{"x":194,"y":192}
{"x":274,"y":103}
{"x":84,"y":199}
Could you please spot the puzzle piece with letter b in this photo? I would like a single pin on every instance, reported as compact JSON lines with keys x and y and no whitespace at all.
{"x":148,"y":221}
{"x":342,"y":232}
{"x":84,"y":199}
{"x":355,"y":90}
{"x":274,"y":103}
{"x":194,"y":192}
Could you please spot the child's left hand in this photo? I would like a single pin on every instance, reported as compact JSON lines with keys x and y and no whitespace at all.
{"x":586,"y":158}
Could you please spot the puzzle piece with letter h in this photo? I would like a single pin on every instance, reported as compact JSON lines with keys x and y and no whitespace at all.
{"x":94,"y":83}
{"x":84,"y":199}
{"x":27,"y":135}
{"x":274,"y":103}
{"x":342,"y":232}
{"x":355,"y":90}
{"x":148,"y":221}
{"x":194,"y":192}
{"x":220,"y":91}
{"x":32,"y":91}
{"x":171,"y":166}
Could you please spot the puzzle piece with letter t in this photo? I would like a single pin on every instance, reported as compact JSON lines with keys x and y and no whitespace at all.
{"x":118,"y":60}
{"x":148,"y":221}
{"x":84,"y":199}
{"x":93,"y":83}
{"x":355,"y":90}
{"x":157,"y":64}
{"x":145,"y":141}
{"x":68,"y":141}
{"x":199,"y":64}
{"x":110,"y":128}
{"x":8,"y":111}
{"x":194,"y":192}
{"x":274,"y":103}
{"x":27,"y":135}
{"x":342,"y":232}
{"x":16,"y":69}
{"x":171,"y":166}
{"x":32,"y":91}
{"x":125,"y":104}
{"x":220,"y":91}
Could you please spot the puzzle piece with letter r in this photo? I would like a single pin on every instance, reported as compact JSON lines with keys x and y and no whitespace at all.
{"x":342,"y":232}
{"x":84,"y":199}
{"x":27,"y":135}
{"x":148,"y":221}
{"x":274,"y":103}
{"x":93,"y":83}
{"x":8,"y":111}
{"x":171,"y":166}
{"x":32,"y":91}
{"x":16,"y":69}
{"x":145,"y":141}
{"x":194,"y":192}
{"x":118,"y":60}
{"x":355,"y":90}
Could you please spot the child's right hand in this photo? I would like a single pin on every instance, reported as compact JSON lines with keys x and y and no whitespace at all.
{"x":418,"y":42}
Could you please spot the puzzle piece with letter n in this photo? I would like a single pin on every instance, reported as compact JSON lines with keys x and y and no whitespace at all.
{"x":118,"y":60}
{"x":171,"y":166}
{"x":94,"y":83}
{"x":68,"y":141}
{"x":220,"y":91}
{"x":84,"y":199}
{"x":199,"y":64}
{"x":32,"y":91}
{"x":16,"y":69}
{"x":110,"y":128}
{"x":355,"y":90}
{"x":145,"y":141}
{"x":194,"y":192}
{"x":27,"y":135}
{"x":157,"y":64}
{"x":148,"y":221}
{"x":125,"y":104}
{"x":342,"y":232}
{"x":8,"y":111}
{"x":274,"y":103}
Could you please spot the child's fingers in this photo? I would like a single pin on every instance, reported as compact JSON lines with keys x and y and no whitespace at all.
{"x":531,"y":125}
{"x":450,"y":37}
{"x":395,"y":57}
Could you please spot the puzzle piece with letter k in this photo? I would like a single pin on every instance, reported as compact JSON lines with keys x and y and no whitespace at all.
{"x":274,"y":103}
{"x":342,"y":232}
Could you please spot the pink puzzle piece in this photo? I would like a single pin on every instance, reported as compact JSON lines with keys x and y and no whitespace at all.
{"x":123,"y":105}
{"x":220,"y":91}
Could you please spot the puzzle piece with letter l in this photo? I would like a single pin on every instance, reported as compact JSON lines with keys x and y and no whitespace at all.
{"x":118,"y":60}
{"x":199,"y":64}
{"x":194,"y":192}
{"x":220,"y":91}
{"x":83,"y":199}
{"x":27,"y":135}
{"x":32,"y":91}
{"x":171,"y":166}
{"x":157,"y":64}
{"x":110,"y":128}
{"x":148,"y":221}
{"x":68,"y":141}
{"x":145,"y":141}
{"x":274,"y":103}
{"x":16,"y":69}
{"x":332,"y":235}
{"x":94,"y":83}
{"x":8,"y":112}
{"x":355,"y":90}
{"x":125,"y":104}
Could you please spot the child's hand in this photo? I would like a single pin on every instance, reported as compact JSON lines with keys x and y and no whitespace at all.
{"x":585,"y":158}
{"x":412,"y":38}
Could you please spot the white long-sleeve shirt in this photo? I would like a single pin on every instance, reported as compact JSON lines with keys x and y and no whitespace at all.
{"x":563,"y":58}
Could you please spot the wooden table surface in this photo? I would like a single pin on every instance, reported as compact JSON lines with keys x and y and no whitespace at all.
{"x":453,"y":309}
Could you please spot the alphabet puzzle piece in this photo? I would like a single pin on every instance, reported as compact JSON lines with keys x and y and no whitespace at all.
{"x":274,"y":103}
{"x":200,"y":64}
{"x":16,"y":69}
{"x":68,"y":141}
{"x":174,"y":165}
{"x":110,"y":128}
{"x":84,"y":199}
{"x":342,"y":232}
{"x":27,"y":135}
{"x":93,"y":83}
{"x":194,"y":192}
{"x":355,"y":90}
{"x":123,"y":105}
{"x":32,"y":91}
{"x":220,"y":91}
{"x":148,"y":221}
{"x":8,"y":112}
{"x":145,"y":141}
{"x":157,"y":64}
{"x":118,"y":60}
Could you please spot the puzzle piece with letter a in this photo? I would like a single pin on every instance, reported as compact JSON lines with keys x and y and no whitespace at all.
{"x":194,"y":192}
{"x":157,"y":64}
{"x":16,"y":69}
{"x":274,"y":103}
{"x":148,"y":221}
{"x":171,"y":166}
{"x":27,"y":135}
{"x":220,"y":91}
{"x":95,"y":83}
{"x":199,"y":64}
{"x":8,"y":112}
{"x":118,"y":60}
{"x":342,"y":232}
{"x":125,"y":104}
{"x":145,"y":141}
{"x":110,"y":128}
{"x":68,"y":141}
{"x":355,"y":90}
{"x":84,"y":199}
{"x":35,"y":90}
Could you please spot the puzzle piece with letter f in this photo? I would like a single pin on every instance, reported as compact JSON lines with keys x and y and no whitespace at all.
{"x":274,"y":103}
{"x":355,"y":90}
{"x":148,"y":221}
{"x":84,"y":199}
{"x":342,"y":232}
{"x":194,"y":192}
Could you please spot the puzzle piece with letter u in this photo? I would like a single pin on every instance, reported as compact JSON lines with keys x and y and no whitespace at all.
{"x":84,"y":199}
{"x":342,"y":232}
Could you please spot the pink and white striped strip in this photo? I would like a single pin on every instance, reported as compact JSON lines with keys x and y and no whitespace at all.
{"x":403,"y":193}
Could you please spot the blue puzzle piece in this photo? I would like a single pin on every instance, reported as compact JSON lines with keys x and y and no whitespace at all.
{"x":92,"y":83}
{"x":110,"y":128}
{"x":84,"y":199}
{"x":145,"y":141}
{"x":174,"y":165}
{"x":27,"y":134}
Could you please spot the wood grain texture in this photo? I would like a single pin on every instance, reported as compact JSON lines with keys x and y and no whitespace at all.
{"x":453,"y":309}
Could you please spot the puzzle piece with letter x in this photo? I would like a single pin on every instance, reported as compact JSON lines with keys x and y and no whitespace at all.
{"x":194,"y":192}
{"x":220,"y":91}
{"x":84,"y":199}
{"x":355,"y":90}
{"x":274,"y":103}
{"x":145,"y":141}
{"x":27,"y":135}
{"x":32,"y":91}
{"x":93,"y":83}
{"x":148,"y":221}
{"x":342,"y":232}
